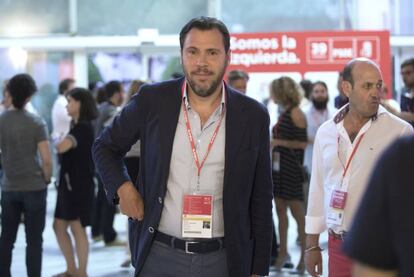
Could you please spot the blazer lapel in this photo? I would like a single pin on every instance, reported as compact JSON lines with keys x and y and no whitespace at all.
{"x":235,"y":128}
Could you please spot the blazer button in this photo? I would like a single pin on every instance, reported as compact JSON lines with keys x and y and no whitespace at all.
{"x":151,"y":230}
{"x":160,"y":200}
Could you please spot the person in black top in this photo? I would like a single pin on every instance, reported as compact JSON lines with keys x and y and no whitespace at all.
{"x":381,"y":238}
{"x":289,"y":142}
{"x":76,"y":185}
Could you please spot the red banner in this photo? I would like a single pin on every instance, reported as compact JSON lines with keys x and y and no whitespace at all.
{"x":304,"y":52}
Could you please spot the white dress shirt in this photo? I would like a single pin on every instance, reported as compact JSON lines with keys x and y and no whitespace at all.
{"x":314,"y":119}
{"x":330,"y":157}
{"x":60,"y":118}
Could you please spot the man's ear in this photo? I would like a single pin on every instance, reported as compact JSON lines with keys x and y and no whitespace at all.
{"x":346,"y":88}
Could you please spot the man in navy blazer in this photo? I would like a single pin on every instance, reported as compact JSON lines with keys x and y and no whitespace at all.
{"x":204,"y":154}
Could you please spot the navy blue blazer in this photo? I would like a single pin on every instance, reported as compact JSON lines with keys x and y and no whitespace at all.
{"x":152,"y":116}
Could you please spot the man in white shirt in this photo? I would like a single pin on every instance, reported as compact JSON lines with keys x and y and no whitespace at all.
{"x":317,"y":114}
{"x":344,"y":154}
{"x":60,"y":117}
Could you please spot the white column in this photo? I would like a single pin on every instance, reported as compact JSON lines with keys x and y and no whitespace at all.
{"x":145,"y":66}
{"x":73,"y":17}
{"x":80,"y":61}
{"x":214,"y":8}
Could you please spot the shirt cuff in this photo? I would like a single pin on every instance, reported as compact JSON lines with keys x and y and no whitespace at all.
{"x":315,"y":225}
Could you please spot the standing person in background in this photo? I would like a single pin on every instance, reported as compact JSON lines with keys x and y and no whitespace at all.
{"x":345,"y":150}
{"x":104,"y":213}
{"x":76,"y":186}
{"x":289,"y":142}
{"x":60,"y":118}
{"x":100,"y":96}
{"x":23,"y":136}
{"x":238,"y":79}
{"x":389,"y":104}
{"x":407,"y":93}
{"x":341,"y":99}
{"x":318,"y":113}
{"x":6,"y":103}
{"x":306,"y":86}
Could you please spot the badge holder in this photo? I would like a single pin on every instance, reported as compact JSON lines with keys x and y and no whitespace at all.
{"x":336,"y":207}
{"x":197,"y":215}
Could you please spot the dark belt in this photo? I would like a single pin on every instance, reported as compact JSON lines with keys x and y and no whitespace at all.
{"x":191,"y":246}
{"x":340,"y":236}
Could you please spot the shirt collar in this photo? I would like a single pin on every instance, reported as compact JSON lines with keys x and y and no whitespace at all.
{"x":340,"y":115}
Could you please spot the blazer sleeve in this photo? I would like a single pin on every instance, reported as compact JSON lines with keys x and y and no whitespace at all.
{"x":115,"y":141}
{"x":261,"y":205}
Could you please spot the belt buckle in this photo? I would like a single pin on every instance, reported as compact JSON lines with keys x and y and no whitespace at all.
{"x":186,"y":247}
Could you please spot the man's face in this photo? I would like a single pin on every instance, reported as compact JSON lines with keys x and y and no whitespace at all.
{"x":204,"y":60}
{"x":240,"y":85}
{"x":364,"y":96}
{"x":319,"y":96}
{"x":7,"y":100}
{"x":407,"y":74}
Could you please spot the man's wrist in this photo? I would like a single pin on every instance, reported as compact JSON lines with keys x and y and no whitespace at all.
{"x":124,"y":188}
{"x":313,"y":248}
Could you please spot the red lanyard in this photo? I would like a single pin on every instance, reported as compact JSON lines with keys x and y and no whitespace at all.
{"x":190,"y":136}
{"x":352,"y":155}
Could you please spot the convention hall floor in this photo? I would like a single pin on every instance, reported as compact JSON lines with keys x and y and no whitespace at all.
{"x":106,"y":261}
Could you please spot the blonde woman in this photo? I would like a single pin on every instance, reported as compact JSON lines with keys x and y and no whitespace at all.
{"x":289,"y":142}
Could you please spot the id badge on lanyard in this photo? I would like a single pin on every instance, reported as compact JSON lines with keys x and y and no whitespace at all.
{"x":337,"y":204}
{"x":197,"y":215}
{"x":339,"y":194}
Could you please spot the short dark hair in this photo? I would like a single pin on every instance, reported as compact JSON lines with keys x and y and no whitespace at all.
{"x":408,"y":62}
{"x":111,"y":88}
{"x":88,"y":110}
{"x":307,"y":86}
{"x":322,"y":83}
{"x":235,"y":75}
{"x":64,"y":85}
{"x":100,"y":96}
{"x":206,"y":23}
{"x":347,"y":72}
{"x":21,"y":87}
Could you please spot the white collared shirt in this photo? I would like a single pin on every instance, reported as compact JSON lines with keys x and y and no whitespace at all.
{"x":327,"y":167}
{"x":60,"y":118}
{"x":315,"y":119}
